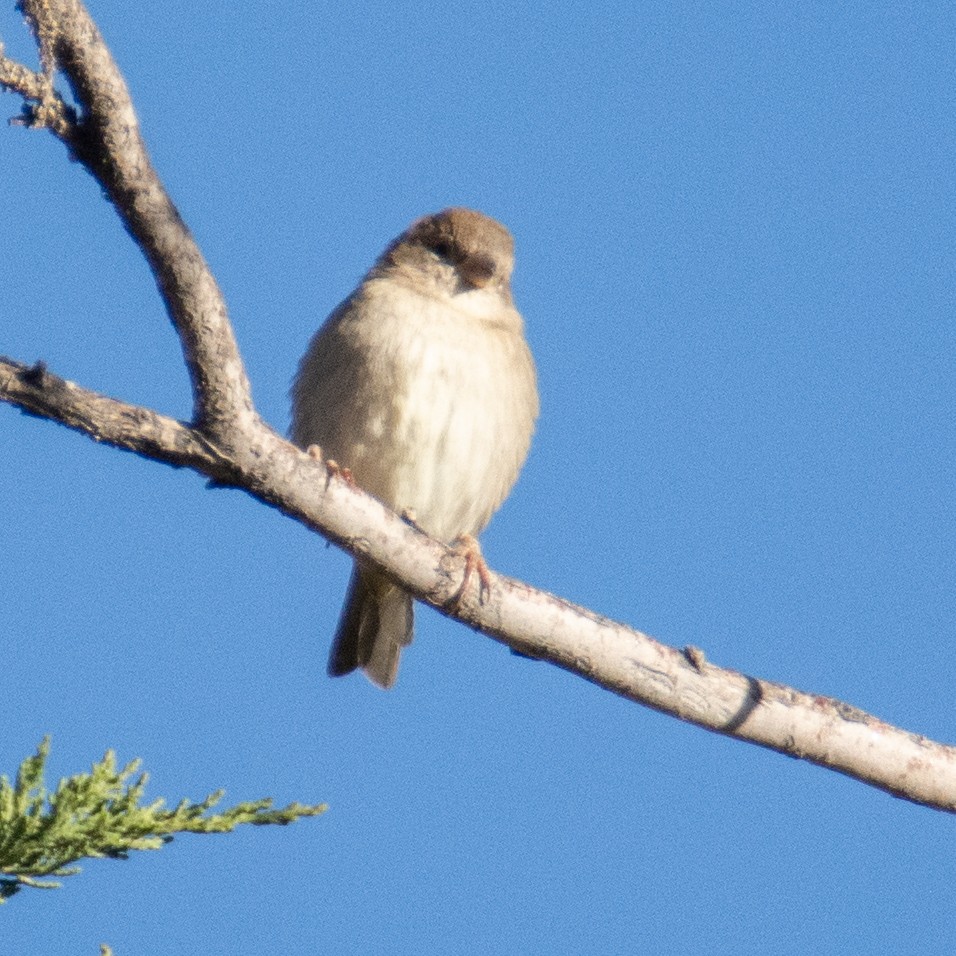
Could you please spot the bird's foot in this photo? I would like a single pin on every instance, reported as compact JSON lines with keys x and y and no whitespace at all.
{"x":467,"y":546}
{"x":336,"y":470}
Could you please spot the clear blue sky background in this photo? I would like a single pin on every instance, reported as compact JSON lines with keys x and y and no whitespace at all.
{"x":735,"y":240}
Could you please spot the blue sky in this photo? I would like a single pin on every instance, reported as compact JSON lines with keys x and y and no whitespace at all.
{"x":734,"y":228}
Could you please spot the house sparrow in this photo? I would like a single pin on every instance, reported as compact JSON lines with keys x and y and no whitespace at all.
{"x":420,"y":384}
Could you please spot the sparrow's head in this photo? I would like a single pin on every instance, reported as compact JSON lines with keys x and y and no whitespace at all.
{"x":478,"y":248}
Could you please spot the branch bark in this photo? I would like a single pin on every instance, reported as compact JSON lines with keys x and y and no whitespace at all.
{"x":228,"y":442}
{"x":105,"y":137}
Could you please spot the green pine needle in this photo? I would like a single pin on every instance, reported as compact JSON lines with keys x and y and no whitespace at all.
{"x":98,"y":814}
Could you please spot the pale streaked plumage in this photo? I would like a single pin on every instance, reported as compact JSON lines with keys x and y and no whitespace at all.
{"x":421,"y":383}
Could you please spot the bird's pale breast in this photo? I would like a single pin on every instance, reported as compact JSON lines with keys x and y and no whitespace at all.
{"x":440,"y":421}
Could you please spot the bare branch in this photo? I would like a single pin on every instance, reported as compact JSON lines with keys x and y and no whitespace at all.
{"x":38,"y":392}
{"x":105,"y":137}
{"x":229,"y":443}
{"x":625,"y":661}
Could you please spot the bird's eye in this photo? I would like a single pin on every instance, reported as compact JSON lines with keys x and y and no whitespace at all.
{"x":443,"y":249}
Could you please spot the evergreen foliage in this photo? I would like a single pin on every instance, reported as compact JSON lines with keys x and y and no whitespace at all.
{"x":98,"y":814}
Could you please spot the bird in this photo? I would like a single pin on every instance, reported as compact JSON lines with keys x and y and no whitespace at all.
{"x":420,"y":386}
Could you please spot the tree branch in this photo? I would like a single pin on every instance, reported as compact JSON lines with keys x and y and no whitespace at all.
{"x":37,"y":392}
{"x":229,"y":443}
{"x":105,"y":137}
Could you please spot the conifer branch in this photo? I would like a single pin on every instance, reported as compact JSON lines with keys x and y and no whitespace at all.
{"x":100,"y":814}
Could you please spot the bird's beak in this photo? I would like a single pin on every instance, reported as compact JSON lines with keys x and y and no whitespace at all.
{"x":477,"y":270}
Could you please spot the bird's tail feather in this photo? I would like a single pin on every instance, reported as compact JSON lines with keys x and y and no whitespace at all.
{"x":375,"y":625}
